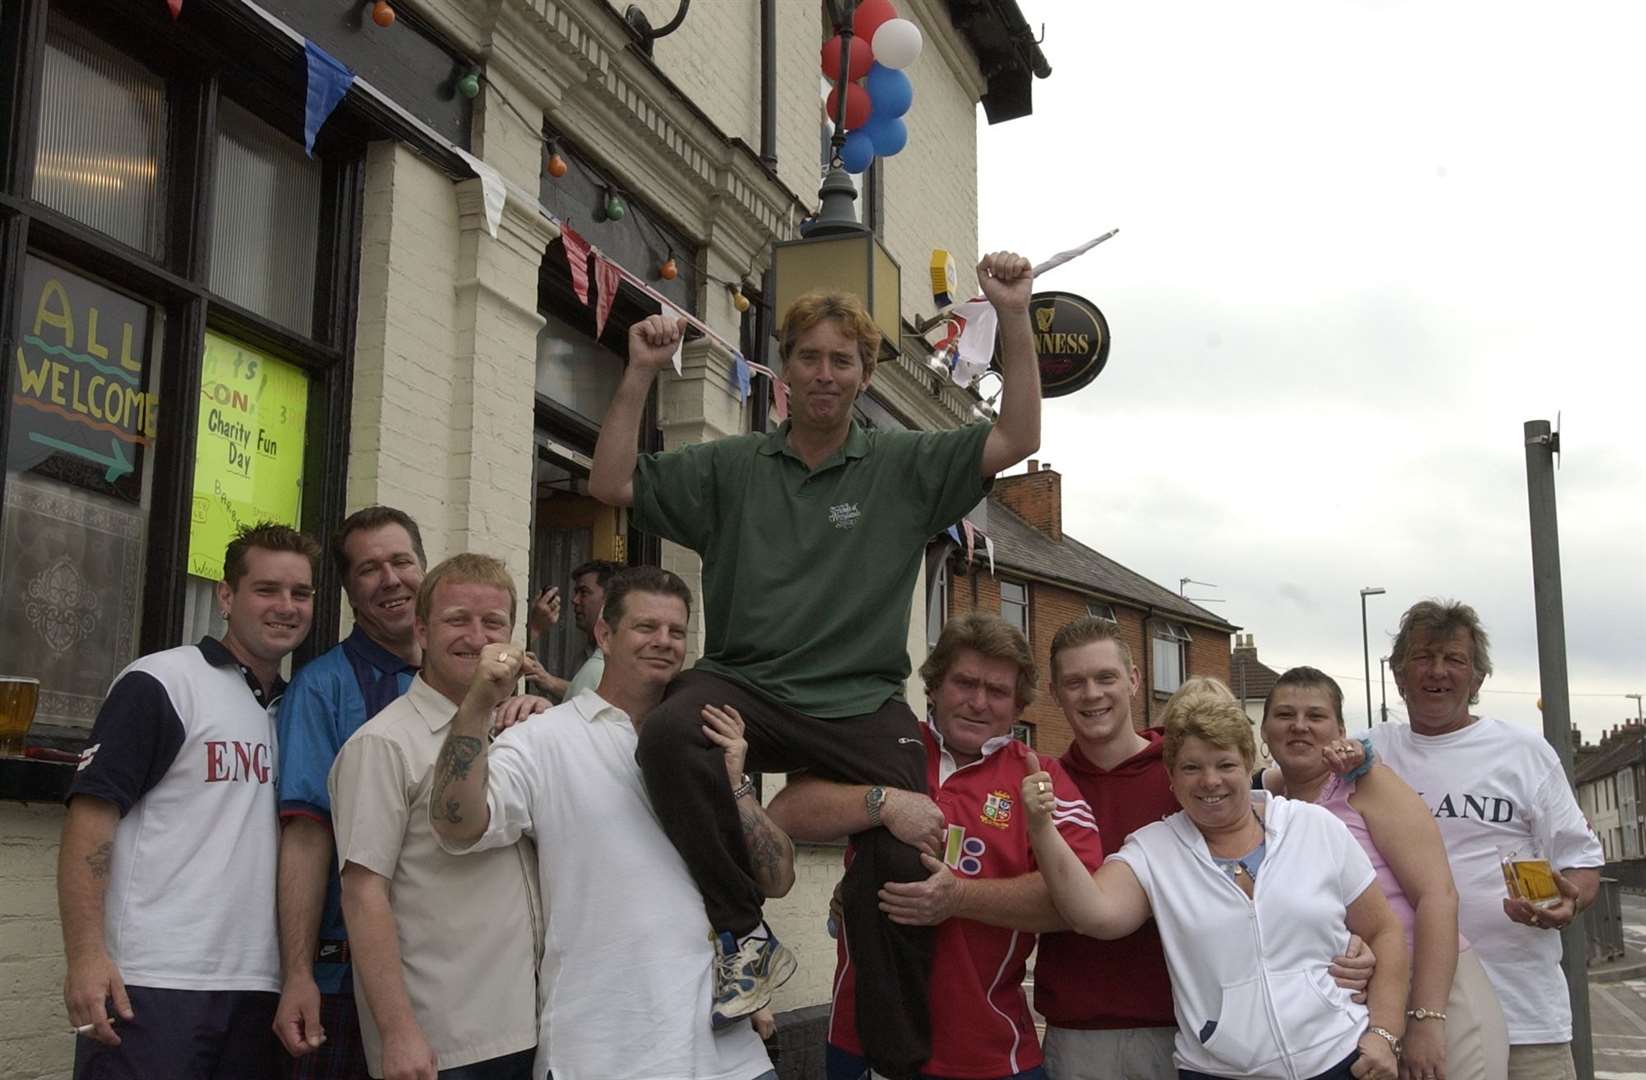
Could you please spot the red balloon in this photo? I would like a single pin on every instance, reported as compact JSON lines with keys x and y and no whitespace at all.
{"x":870,"y":14}
{"x":862,"y":58}
{"x":857,"y":105}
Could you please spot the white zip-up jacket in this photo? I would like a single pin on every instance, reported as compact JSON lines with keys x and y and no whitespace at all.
{"x":1250,"y":983}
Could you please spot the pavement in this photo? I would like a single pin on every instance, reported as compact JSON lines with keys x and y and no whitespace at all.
{"x":1631,"y":965}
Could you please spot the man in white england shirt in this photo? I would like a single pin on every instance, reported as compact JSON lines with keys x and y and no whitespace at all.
{"x":1494,"y":789}
{"x":626,"y":981}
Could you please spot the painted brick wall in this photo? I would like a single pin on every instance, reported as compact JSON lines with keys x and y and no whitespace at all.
{"x":35,"y":1043}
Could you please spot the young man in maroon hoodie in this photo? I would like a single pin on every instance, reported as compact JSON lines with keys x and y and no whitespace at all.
{"x":1108,"y":1004}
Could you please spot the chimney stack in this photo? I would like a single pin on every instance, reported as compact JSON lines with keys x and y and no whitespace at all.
{"x":1035,"y":496}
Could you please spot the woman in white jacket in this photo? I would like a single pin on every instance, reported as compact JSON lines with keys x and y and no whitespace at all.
{"x":1253,"y":895}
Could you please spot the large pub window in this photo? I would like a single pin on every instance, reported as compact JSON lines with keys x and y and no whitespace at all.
{"x":178,"y":284}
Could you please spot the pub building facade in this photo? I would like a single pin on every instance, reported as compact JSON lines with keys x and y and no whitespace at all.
{"x":203,"y":325}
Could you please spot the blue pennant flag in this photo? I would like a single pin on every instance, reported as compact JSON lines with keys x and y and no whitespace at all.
{"x":954,"y":531}
{"x":740,"y":376}
{"x":329,"y":80}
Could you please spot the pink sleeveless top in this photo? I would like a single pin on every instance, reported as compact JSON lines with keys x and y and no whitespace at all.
{"x":1335,"y":797}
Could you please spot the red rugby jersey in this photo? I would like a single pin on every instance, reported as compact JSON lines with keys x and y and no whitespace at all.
{"x":981,"y":1025}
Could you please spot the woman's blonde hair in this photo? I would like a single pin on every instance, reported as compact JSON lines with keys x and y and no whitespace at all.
{"x":1205,"y":709}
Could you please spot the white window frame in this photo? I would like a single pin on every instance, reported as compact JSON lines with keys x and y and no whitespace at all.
{"x":1007,"y":583}
{"x":1169,"y":659}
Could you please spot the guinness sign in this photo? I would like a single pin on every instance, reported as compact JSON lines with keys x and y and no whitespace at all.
{"x":1071,"y":338}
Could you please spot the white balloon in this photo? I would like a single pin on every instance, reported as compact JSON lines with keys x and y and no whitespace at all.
{"x":897,"y":43}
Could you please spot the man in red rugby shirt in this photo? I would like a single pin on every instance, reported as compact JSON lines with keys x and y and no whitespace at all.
{"x":979,"y":679}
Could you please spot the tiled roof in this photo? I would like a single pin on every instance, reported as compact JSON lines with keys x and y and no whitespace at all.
{"x":1623,"y":750}
{"x":1020,"y":546}
{"x":1251,"y":677}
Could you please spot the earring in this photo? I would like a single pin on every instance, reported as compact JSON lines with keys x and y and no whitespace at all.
{"x":1263,"y":748}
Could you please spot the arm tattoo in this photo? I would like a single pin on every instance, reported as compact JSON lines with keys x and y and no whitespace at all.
{"x":99,"y":860}
{"x":768,"y":847}
{"x":455,"y":761}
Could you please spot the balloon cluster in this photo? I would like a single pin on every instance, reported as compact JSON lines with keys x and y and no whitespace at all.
{"x":877,"y":93}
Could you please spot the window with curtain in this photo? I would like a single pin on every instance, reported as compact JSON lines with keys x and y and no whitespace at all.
{"x":81,"y":425}
{"x":100,"y":155}
{"x":265,"y":231}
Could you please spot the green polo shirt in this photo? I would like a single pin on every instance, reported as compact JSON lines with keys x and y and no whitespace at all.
{"x":808,"y":574}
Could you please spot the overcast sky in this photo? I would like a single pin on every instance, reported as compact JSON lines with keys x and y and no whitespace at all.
{"x":1361,"y":244}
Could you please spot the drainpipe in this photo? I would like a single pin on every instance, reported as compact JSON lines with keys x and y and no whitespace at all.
{"x":768,"y":83}
{"x":1148,"y":668}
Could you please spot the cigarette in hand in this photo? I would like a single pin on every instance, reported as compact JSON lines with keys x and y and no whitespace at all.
{"x":87,"y":1029}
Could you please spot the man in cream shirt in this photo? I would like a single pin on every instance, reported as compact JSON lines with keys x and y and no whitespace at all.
{"x":444,"y":949}
{"x":627,"y":978}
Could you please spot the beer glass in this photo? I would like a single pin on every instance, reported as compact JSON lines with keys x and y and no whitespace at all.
{"x":1532,"y":880}
{"x":18,"y":695}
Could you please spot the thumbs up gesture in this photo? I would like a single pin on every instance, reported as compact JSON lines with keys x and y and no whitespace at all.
{"x":1038,"y":797}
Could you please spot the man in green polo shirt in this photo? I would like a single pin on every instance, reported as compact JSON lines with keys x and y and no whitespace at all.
{"x":812,"y":538}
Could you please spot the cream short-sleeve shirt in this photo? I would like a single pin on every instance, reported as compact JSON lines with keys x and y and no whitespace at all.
{"x":469,"y":927}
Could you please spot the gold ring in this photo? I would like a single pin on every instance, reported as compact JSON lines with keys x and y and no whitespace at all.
{"x":1044,"y":787}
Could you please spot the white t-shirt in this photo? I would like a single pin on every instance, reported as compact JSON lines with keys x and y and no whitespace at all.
{"x":1496,"y":789}
{"x":185,"y":748}
{"x":1250,"y":984}
{"x":627,"y":958}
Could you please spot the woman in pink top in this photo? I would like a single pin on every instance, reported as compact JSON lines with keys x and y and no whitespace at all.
{"x":1454,"y":1028}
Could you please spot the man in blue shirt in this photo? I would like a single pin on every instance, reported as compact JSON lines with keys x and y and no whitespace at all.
{"x":378,"y":553}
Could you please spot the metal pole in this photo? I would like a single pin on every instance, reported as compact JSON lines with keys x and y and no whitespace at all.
{"x":1366,"y":652}
{"x":1383,"y":689}
{"x":1541,"y":448}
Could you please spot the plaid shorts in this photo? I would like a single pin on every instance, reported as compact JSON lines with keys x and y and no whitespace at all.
{"x":342,"y":1056}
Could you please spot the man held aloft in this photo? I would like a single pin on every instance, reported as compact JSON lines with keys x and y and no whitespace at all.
{"x":811,"y":538}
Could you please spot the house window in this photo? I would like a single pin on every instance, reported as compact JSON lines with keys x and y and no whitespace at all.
{"x":1171,"y":656}
{"x":1102,"y":611}
{"x":1024,"y":733}
{"x":937,"y":598}
{"x":178,"y":346}
{"x":1014,"y":604}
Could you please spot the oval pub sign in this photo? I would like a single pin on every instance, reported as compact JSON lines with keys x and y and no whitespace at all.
{"x":1072,"y":340}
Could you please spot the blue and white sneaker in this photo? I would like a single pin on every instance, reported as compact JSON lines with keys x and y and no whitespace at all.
{"x":746,"y":972}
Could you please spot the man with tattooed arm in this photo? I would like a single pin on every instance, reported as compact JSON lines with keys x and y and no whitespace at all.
{"x":165,"y":876}
{"x":626,"y":977}
{"x":444,"y":949}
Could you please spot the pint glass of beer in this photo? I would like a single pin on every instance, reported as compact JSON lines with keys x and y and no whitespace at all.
{"x":18,"y":695}
{"x":1532,"y":880}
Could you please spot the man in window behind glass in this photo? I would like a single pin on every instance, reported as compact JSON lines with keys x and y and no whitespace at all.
{"x":812,"y":538}
{"x":378,"y":552}
{"x":165,"y":875}
{"x":588,"y":598}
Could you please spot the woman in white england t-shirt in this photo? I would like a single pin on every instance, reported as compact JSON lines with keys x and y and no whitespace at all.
{"x":1253,"y":896}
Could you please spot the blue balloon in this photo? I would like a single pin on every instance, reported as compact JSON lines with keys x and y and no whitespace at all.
{"x":857,"y":153}
{"x":890,"y":91}
{"x":888,"y":134}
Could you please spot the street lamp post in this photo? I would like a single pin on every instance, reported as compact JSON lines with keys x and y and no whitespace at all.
{"x":1366,"y":647}
{"x":1640,"y":715}
{"x":1383,"y":688}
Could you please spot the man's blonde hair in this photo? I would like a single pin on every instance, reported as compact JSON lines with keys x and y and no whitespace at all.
{"x":848,"y":313}
{"x":1205,"y":709}
{"x":466,"y":569}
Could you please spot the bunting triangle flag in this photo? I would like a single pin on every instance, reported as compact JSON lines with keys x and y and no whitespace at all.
{"x":740,"y":377}
{"x":329,"y":80}
{"x":577,"y":261}
{"x":606,"y":277}
{"x":175,"y":7}
{"x":671,"y":313}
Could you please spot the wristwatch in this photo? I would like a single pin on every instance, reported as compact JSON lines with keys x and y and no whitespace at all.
{"x":1385,"y":1033}
{"x":745,"y":788}
{"x":1425,"y":1014}
{"x":873,"y":800}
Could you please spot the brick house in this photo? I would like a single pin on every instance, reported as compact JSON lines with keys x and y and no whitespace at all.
{"x":1043,"y":578}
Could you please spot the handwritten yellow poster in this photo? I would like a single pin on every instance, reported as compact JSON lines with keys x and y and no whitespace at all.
{"x":248,"y":462}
